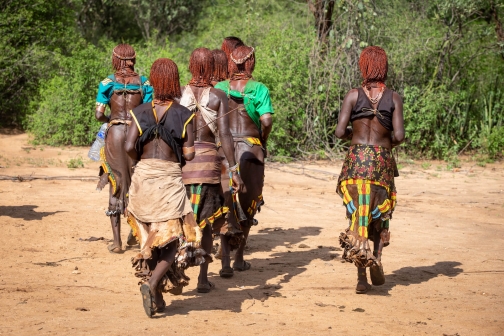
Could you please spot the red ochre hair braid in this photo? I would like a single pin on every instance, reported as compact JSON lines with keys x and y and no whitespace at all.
{"x":123,"y":56}
{"x":201,"y":66}
{"x":373,"y":65}
{"x":244,"y":69}
{"x":230,"y":43}
{"x":220,"y":72}
{"x":164,"y":78}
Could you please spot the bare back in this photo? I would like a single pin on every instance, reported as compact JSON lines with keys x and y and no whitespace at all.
{"x":368,"y":130}
{"x":123,"y":102}
{"x":202,"y":131}
{"x":156,"y":148}
{"x":240,"y":123}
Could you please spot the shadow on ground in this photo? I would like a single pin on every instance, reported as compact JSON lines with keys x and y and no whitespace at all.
{"x":416,"y":275}
{"x":26,"y":212}
{"x":265,"y":277}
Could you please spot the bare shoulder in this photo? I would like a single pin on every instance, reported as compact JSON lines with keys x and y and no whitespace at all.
{"x":396,"y":97}
{"x":352,"y":95}
{"x":219,"y":94}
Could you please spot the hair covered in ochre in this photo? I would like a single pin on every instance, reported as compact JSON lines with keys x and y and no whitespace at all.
{"x":164,"y":78}
{"x":220,"y":71}
{"x":373,"y":65}
{"x":230,"y":43}
{"x":242,"y":63}
{"x":201,"y":65}
{"x":123,"y":56}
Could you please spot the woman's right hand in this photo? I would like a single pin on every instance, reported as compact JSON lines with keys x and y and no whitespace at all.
{"x":238,"y":185}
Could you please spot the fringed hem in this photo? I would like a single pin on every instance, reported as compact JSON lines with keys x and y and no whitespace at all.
{"x":222,"y":211}
{"x":356,"y":249}
{"x":188,"y":255}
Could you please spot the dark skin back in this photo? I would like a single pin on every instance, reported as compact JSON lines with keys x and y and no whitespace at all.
{"x":240,"y":123}
{"x":156,"y":148}
{"x":368,"y":130}
{"x":120,"y":103}
{"x":217,"y":101}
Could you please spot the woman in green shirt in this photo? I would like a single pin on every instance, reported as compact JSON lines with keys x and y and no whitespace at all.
{"x":250,"y":123}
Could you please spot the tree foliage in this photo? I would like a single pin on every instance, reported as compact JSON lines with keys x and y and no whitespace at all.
{"x":33,"y":33}
{"x":446,"y":60}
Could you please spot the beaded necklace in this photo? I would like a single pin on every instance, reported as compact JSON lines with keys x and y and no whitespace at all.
{"x":376,"y":99}
{"x":240,"y":76}
{"x":161,"y":102}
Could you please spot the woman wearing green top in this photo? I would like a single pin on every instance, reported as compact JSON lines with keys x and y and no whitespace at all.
{"x":250,"y":123}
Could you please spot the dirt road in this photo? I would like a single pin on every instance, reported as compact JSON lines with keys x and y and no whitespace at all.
{"x":444,"y":268}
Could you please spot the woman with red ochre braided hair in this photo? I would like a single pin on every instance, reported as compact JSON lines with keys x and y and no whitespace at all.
{"x":229,"y":44}
{"x":250,"y":123}
{"x":159,"y":213}
{"x":122,"y":91}
{"x":366,"y":182}
{"x":220,"y":69}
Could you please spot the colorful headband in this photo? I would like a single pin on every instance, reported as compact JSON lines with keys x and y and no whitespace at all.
{"x":242,"y":60}
{"x":123,"y":58}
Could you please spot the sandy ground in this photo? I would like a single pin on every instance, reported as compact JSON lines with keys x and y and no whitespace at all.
{"x":444,"y":268}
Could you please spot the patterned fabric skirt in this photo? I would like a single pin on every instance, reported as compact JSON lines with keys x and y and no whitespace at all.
{"x":366,"y":184}
{"x":207,"y":203}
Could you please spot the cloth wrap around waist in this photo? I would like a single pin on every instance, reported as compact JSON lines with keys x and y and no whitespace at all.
{"x":206,"y":165}
{"x":368,"y":162}
{"x":159,"y":214}
{"x":367,"y":167}
{"x":157,"y":192}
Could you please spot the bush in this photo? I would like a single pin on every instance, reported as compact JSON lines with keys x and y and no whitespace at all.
{"x":493,"y":145}
{"x":75,"y":163}
{"x":448,"y":74}
{"x":65,"y":113}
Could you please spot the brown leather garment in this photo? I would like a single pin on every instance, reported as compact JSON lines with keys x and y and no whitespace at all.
{"x":116,"y":157}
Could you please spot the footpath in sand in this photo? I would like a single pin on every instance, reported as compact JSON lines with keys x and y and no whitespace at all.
{"x":444,"y":268}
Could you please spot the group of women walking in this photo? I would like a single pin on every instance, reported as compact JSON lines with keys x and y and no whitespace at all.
{"x":185,"y":164}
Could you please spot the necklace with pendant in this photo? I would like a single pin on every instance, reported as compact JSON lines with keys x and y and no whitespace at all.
{"x":376,"y":99}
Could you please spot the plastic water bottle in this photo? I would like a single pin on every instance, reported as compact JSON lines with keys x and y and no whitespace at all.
{"x":94,"y":151}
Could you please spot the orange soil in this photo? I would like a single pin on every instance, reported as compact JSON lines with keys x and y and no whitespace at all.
{"x":443,"y":269}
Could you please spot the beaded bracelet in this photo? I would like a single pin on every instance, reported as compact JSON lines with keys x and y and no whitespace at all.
{"x":234,"y":169}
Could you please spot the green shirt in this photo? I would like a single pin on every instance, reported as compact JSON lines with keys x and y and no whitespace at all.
{"x":256,"y":98}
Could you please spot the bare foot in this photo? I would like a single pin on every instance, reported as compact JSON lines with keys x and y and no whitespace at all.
{"x":114,"y":248}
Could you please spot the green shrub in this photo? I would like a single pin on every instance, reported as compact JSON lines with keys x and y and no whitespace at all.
{"x":75,"y":163}
{"x":493,"y":145}
{"x":449,"y":79}
{"x":65,"y":113}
